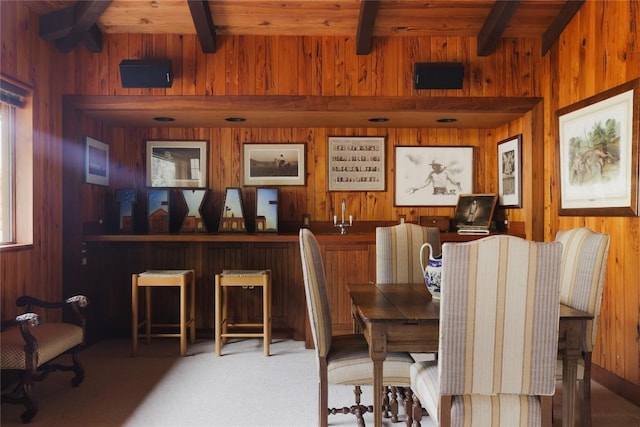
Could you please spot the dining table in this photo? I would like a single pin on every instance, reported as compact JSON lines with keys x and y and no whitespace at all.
{"x":404,"y":317}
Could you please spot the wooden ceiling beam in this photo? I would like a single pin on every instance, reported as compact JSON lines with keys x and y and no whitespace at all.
{"x":74,"y":25}
{"x":495,"y":24}
{"x":203,"y":21}
{"x":366,"y":21}
{"x":570,"y":8}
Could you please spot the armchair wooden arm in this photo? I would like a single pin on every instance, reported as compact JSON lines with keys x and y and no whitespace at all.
{"x":31,"y":346}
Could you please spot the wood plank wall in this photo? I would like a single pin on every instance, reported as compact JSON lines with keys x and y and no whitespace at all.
{"x":598,"y":50}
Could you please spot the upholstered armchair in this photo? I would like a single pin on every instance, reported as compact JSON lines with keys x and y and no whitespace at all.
{"x":584,"y":265}
{"x":31,"y":347}
{"x":499,"y":318}
{"x":342,"y":359}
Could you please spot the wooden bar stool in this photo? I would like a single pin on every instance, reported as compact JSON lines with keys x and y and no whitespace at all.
{"x":246,"y":279}
{"x":183,"y":279}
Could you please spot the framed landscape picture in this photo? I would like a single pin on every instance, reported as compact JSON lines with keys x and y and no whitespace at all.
{"x":432,"y":176}
{"x":598,"y":154}
{"x":273,"y":164}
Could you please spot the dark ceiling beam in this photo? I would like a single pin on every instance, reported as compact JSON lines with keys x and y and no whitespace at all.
{"x":74,"y":25}
{"x":366,"y":21}
{"x":93,"y":40}
{"x":203,"y":21}
{"x":57,"y":24}
{"x":570,"y":8}
{"x":494,"y":26}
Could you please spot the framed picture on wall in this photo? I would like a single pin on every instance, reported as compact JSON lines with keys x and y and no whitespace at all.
{"x":510,"y":172}
{"x":356,"y":163}
{"x":177,"y":164}
{"x":598,"y":153}
{"x":96,"y":161}
{"x":432,"y":176}
{"x":273,"y":164}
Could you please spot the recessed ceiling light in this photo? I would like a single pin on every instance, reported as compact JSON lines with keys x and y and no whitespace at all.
{"x":378,"y":119}
{"x":163,"y":119}
{"x":235,"y":119}
{"x":447,"y":120}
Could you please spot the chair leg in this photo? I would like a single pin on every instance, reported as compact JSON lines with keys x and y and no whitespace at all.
{"x":78,"y":369}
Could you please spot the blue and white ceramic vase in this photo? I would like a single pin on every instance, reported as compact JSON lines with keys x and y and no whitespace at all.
{"x":432,"y":271}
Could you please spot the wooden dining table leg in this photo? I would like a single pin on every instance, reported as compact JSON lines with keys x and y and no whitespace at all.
{"x":378,"y":353}
{"x":574,"y":334}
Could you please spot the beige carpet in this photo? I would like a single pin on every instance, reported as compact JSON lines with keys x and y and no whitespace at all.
{"x":241,"y":388}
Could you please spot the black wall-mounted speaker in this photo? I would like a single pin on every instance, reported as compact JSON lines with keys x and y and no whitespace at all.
{"x":438,"y":75}
{"x":145,"y":73}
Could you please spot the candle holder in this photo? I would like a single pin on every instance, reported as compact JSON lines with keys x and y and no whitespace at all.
{"x":343,"y":226}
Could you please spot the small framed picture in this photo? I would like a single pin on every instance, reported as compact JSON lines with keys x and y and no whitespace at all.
{"x":273,"y":164}
{"x":510,"y":172}
{"x":96,"y":162}
{"x":177,"y":164}
{"x":431,"y":175}
{"x":356,"y":163}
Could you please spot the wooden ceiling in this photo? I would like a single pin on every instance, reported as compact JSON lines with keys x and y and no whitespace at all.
{"x":78,"y":24}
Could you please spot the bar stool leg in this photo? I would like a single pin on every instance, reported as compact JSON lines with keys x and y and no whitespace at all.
{"x":134,"y":314}
{"x":147,"y":302}
{"x":266,"y":311}
{"x":183,"y":318}
{"x":218,"y":316}
{"x":192,"y":313}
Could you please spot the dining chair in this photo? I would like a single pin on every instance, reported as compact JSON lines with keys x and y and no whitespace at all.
{"x":498,"y":343}
{"x":342,"y":359}
{"x":584,"y":265}
{"x":398,"y":252}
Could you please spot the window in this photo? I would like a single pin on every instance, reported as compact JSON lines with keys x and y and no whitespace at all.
{"x":16,"y":154}
{"x":7,"y":173}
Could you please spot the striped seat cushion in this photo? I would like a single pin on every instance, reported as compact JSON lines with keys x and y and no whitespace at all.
{"x":53,"y":339}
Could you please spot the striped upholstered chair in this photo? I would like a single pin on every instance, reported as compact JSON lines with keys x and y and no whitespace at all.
{"x":398,"y":251}
{"x":584,"y":265}
{"x":342,"y":359}
{"x":499,"y":317}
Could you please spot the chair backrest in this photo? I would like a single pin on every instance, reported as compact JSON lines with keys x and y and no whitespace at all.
{"x":584,"y":266}
{"x":398,"y":251}
{"x":315,"y":287}
{"x":499,"y":317}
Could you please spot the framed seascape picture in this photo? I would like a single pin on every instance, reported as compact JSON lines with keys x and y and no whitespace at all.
{"x":356,"y":163}
{"x":273,"y":164}
{"x":432,"y":176}
{"x":96,"y":161}
{"x":598,"y":154}
{"x":177,"y":164}
{"x":510,"y":172}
